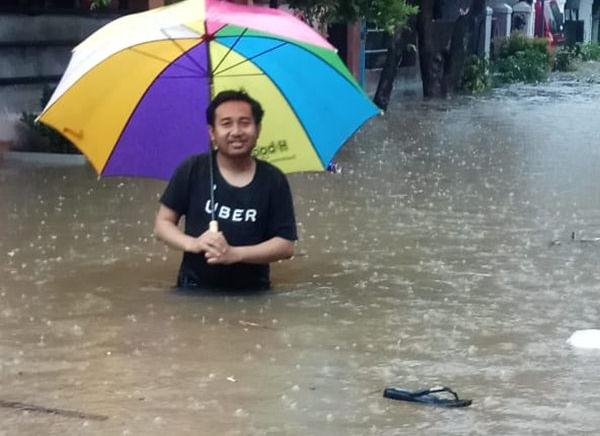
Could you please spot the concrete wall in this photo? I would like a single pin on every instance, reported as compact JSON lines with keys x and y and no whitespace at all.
{"x":34,"y":52}
{"x":38,"y":46}
{"x":585,"y":14}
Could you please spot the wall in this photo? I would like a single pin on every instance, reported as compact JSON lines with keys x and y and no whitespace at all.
{"x":34,"y":52}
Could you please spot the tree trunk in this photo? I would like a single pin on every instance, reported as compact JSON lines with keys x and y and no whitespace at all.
{"x":396,"y":47}
{"x":464,"y":42}
{"x":454,"y":57}
{"x":442,"y":64}
{"x":429,"y":58}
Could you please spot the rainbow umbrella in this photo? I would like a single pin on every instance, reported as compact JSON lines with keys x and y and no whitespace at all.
{"x":134,"y":95}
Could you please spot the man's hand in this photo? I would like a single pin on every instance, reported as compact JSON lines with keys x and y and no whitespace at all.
{"x":215,"y":247}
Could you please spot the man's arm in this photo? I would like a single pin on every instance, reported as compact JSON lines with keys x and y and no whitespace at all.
{"x":166,"y":229}
{"x":216,"y":248}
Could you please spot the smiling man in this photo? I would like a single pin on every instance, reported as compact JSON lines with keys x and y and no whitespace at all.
{"x":252,"y":204}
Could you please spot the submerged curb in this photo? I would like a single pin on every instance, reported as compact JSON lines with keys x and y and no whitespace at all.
{"x":57,"y":159}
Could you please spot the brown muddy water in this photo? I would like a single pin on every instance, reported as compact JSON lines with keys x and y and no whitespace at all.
{"x":428,"y":261}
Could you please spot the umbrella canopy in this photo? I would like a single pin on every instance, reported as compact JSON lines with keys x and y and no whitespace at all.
{"x":134,"y":95}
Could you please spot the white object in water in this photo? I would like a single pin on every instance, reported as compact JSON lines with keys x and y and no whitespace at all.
{"x":585,"y":339}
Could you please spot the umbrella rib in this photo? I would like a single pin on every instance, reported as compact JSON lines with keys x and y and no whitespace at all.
{"x":250,"y":58}
{"x":300,"y":122}
{"x":301,"y":47}
{"x":133,"y":111}
{"x":158,"y":58}
{"x":242,"y":75}
{"x":191,"y":76}
{"x":214,"y":70}
{"x":184,"y":51}
{"x":204,"y":72}
{"x":292,"y":108}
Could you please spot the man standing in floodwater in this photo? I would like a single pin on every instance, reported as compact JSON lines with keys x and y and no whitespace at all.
{"x":252,"y":204}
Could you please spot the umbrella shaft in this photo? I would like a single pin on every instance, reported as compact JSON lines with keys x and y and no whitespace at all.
{"x":212,"y":184}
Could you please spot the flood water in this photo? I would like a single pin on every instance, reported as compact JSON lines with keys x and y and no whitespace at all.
{"x":428,"y":261}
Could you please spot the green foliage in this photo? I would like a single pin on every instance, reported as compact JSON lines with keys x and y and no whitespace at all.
{"x":476,"y":75}
{"x":390,"y":15}
{"x":568,"y":56}
{"x":52,"y":141}
{"x":588,"y":52}
{"x":521,"y":59}
{"x":529,"y":67}
{"x":565,"y":58}
{"x":99,"y":4}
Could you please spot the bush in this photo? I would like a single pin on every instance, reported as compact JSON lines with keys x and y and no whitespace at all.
{"x":476,"y":77}
{"x":565,"y":58}
{"x":589,"y":52}
{"x":51,"y":140}
{"x":522,"y":59}
{"x":518,"y":42}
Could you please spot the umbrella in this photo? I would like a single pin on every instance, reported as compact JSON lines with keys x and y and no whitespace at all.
{"x":134,"y":94}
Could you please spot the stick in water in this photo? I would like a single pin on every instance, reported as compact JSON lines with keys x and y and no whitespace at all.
{"x":52,"y":411}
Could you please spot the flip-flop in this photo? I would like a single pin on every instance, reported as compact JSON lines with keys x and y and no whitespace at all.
{"x":427,"y":396}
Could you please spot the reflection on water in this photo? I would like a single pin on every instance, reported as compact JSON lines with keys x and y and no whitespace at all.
{"x":428,"y":260}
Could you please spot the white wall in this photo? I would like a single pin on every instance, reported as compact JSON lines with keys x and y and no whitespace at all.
{"x":585,"y":14}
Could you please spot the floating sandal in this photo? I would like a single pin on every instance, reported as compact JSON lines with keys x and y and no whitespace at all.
{"x":427,"y":396}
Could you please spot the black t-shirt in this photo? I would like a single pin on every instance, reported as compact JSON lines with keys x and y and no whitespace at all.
{"x":248,"y":215}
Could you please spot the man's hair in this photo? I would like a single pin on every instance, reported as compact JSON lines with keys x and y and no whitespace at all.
{"x":231,"y":95}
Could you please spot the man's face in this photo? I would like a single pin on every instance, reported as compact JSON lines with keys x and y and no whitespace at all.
{"x":235,"y":132}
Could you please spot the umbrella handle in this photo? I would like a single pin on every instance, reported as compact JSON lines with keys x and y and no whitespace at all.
{"x":213,"y":226}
